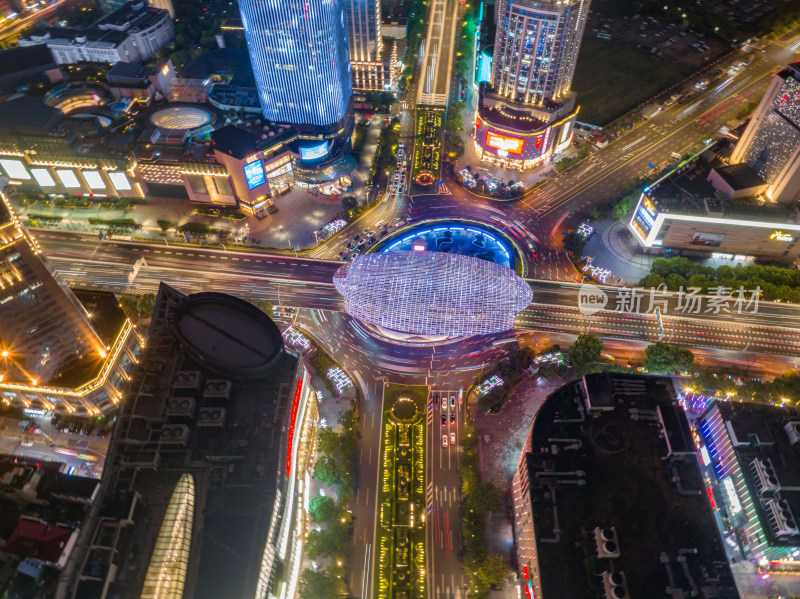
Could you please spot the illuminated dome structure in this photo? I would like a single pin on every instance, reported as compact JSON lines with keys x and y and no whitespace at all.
{"x":431,"y":296}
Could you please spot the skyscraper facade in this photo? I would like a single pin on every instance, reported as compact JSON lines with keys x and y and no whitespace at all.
{"x":299,"y":51}
{"x":372,"y":64}
{"x":527,"y":113}
{"x":43,"y":328}
{"x":770,"y":145}
{"x":536,"y":48}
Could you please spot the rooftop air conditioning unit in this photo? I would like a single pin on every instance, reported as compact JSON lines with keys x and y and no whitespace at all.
{"x":211,"y":417}
{"x":217,"y":388}
{"x":606,"y":542}
{"x":792,"y":430}
{"x":187,"y":379}
{"x":174,"y":434}
{"x":181,"y":406}
{"x":781,"y":518}
{"x":615,"y":585}
{"x":767,"y":478}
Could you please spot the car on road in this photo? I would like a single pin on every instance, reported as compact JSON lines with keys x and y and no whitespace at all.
{"x":444,"y":440}
{"x":436,"y":399}
{"x":444,"y":419}
{"x":452,"y":401}
{"x":452,"y":416}
{"x":27,"y":444}
{"x":452,"y":438}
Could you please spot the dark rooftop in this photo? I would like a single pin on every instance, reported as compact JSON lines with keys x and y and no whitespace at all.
{"x":740,"y":176}
{"x":21,"y":59}
{"x":234,"y":141}
{"x":25,"y":116}
{"x":129,"y":70}
{"x":231,"y":62}
{"x":628,"y":485}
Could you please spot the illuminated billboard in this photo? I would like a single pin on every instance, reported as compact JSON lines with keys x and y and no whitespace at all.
{"x":93,"y":179}
{"x":254,"y":173}
{"x":503,"y":143}
{"x":314,"y":152}
{"x":707,"y":239}
{"x":15,"y":169}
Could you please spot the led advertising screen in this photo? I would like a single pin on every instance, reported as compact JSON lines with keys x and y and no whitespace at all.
{"x":314,"y":152}
{"x":15,"y":169}
{"x":506,"y":144}
{"x":713,"y":240}
{"x":254,"y":173}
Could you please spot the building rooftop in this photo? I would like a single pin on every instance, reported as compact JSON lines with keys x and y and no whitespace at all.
{"x":21,"y":59}
{"x":232,"y":64}
{"x":625,"y":481}
{"x":226,"y":430}
{"x":740,"y":176}
{"x":129,"y":70}
{"x":39,"y":540}
{"x":27,"y":116}
{"x":687,"y":191}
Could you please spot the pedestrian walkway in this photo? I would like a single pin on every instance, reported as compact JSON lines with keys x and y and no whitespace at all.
{"x":612,"y":247}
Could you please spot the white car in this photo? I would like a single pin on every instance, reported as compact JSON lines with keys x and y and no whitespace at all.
{"x":444,"y":440}
{"x":452,"y":438}
{"x":27,"y":444}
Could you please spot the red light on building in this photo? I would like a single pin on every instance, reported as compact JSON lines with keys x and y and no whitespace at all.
{"x":512,"y":145}
{"x":525,"y":571}
{"x":292,"y":419}
{"x":711,"y":498}
{"x":539,"y":141}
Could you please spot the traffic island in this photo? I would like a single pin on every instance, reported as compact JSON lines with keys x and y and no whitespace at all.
{"x":400,"y":530}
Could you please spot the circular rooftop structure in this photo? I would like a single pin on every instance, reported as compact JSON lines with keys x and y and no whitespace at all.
{"x":422,"y":297}
{"x":228,"y":335}
{"x":181,"y":117}
{"x":176,"y":120}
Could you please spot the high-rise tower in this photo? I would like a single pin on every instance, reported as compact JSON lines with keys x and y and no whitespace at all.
{"x":528,"y":112}
{"x":300,"y":59}
{"x":371,"y":63}
{"x":43,"y":328}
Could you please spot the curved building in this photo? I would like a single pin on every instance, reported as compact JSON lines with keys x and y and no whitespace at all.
{"x":432,"y":294}
{"x":300,"y":59}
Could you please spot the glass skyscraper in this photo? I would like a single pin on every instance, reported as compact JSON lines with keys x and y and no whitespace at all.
{"x":300,"y":59}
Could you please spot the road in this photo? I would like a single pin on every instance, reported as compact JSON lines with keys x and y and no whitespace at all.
{"x":437,"y":60}
{"x":443,"y":495}
{"x":307,"y":283}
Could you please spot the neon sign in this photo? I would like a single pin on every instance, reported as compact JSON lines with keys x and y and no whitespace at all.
{"x":506,"y":144}
{"x":781,"y":236}
{"x":292,"y":419}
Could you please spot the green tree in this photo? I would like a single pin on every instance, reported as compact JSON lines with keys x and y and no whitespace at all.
{"x":265,"y":306}
{"x":146,"y":304}
{"x":574,"y":242}
{"x":320,"y":584}
{"x":349,"y":203}
{"x":129,"y":306}
{"x":652,"y":281}
{"x":584,"y":352}
{"x":663,"y":357}
{"x":322,"y":509}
